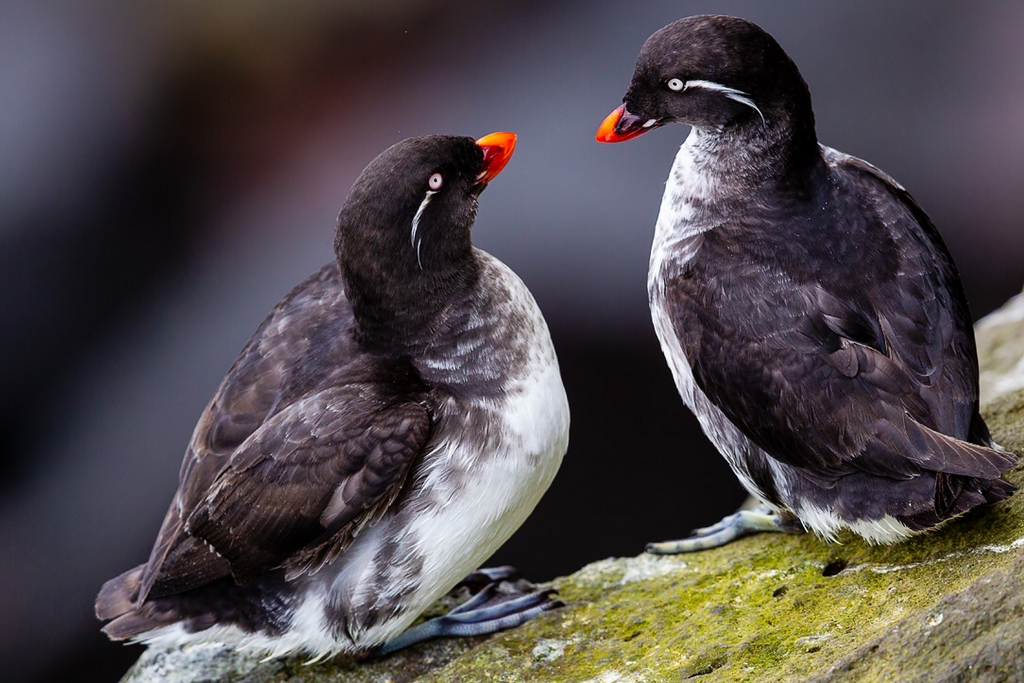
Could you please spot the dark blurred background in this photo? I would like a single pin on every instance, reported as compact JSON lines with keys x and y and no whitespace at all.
{"x":169,"y":170}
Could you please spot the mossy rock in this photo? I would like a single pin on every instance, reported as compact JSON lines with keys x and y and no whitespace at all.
{"x":946,"y":606}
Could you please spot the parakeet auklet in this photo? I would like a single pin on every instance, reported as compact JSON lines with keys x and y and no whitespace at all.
{"x":393,"y":420}
{"x":811,"y":316}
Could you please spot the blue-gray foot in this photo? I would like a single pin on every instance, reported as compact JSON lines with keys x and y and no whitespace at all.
{"x":736,"y":525}
{"x":484,"y":576}
{"x":494,"y":608}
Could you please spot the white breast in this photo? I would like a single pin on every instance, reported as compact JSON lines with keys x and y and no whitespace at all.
{"x":498,"y":490}
{"x":470,"y":498}
{"x":679,"y":220}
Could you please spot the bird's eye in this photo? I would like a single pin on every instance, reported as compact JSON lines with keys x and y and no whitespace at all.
{"x":435,"y":182}
{"x":674,"y":84}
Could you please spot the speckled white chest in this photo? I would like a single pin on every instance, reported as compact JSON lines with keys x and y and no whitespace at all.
{"x":468,"y":501}
{"x":475,"y":500}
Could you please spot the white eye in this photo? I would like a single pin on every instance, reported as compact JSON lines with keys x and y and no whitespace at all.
{"x":435,"y":182}
{"x":675,"y":84}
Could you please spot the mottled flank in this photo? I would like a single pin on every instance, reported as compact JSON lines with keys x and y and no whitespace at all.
{"x":943,"y":607}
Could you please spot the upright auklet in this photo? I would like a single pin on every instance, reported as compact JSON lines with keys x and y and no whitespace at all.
{"x":811,"y":316}
{"x":393,"y":420}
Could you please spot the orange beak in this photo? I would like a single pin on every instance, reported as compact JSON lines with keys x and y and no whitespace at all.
{"x":621,"y":125}
{"x":497,"y":148}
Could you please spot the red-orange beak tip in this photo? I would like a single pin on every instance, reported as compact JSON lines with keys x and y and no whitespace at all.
{"x":606,"y":132}
{"x":621,"y":125}
{"x":497,"y":149}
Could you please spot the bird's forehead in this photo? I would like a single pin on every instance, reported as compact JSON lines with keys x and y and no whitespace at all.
{"x":417,"y":155}
{"x":681,"y":54}
{"x":443,"y":150}
{"x":701,"y":46}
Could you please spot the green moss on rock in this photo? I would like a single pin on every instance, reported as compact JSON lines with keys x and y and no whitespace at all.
{"x":767,"y":607}
{"x":1005,"y":417}
{"x":946,"y":606}
{"x":773,"y":607}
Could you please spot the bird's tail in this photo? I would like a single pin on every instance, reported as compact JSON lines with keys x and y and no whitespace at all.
{"x":968,"y":473}
{"x":955,"y":494}
{"x":117,"y":602}
{"x":118,"y":596}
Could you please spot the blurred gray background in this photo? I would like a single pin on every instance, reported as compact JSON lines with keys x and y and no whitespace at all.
{"x":168,"y":171}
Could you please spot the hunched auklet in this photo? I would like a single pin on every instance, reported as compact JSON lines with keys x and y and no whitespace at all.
{"x":811,"y":315}
{"x":393,"y":420}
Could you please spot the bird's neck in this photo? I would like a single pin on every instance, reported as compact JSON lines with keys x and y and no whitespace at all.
{"x":718,"y":173}
{"x":402,"y":316}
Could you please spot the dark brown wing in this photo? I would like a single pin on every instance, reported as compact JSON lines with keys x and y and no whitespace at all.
{"x":292,"y":496}
{"x":294,"y":493}
{"x":309,"y":478}
{"x":299,"y":361}
{"x":303,"y":345}
{"x":311,"y":324}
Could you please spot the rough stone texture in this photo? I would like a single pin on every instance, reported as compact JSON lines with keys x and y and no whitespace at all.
{"x":1001,"y":350}
{"x":982,"y":626}
{"x":947,"y":606}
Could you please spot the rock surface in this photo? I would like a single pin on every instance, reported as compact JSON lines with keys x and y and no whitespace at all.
{"x":1001,"y":350}
{"x":948,"y":606}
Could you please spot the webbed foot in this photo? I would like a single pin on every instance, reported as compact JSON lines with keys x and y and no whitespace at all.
{"x":499,"y":605}
{"x":739,"y":524}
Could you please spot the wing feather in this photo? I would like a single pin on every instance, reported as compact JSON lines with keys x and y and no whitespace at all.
{"x":830,"y":375}
{"x":295,"y":486}
{"x":297,"y":416}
